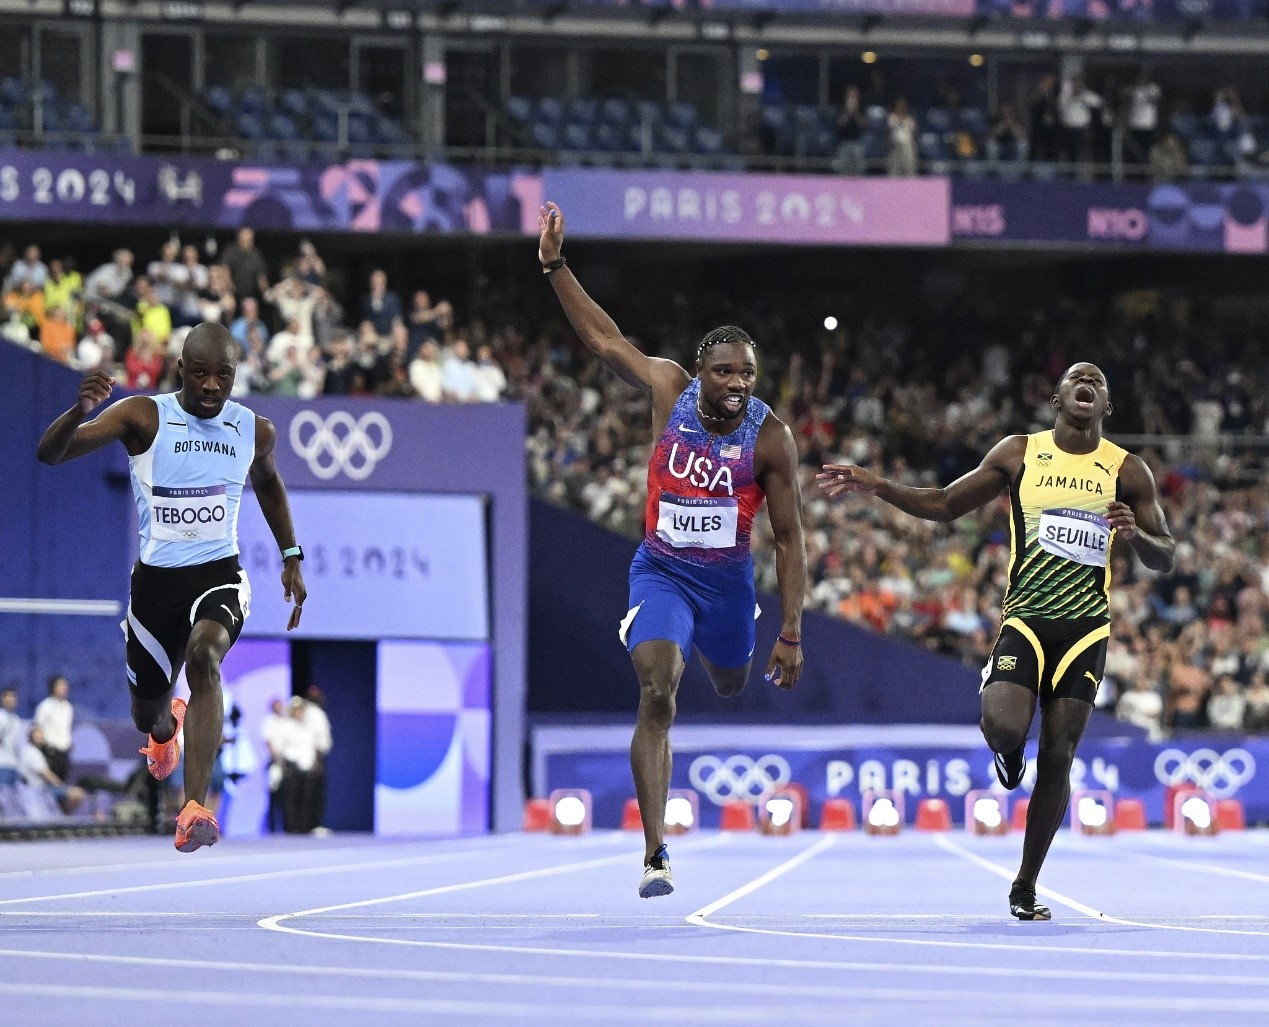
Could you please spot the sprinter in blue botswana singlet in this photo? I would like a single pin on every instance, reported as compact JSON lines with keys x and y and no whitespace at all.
{"x":719,"y":453}
{"x":190,"y":454}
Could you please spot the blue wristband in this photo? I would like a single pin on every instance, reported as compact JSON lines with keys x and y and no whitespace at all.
{"x":293,"y":551}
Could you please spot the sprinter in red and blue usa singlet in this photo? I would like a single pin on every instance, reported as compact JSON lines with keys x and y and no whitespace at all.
{"x":719,"y":454}
{"x":692,"y":579}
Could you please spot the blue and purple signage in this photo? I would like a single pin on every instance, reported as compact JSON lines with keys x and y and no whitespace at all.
{"x":353,"y":196}
{"x":723,"y":764}
{"x":432,"y":753}
{"x":708,"y":206}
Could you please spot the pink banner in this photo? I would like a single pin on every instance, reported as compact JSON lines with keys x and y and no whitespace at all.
{"x":757,"y":208}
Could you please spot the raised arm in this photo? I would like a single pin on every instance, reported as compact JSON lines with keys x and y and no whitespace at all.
{"x":1138,"y":518}
{"x":594,"y":327}
{"x":977,"y":488}
{"x":271,"y":495}
{"x":133,"y":421}
{"x":777,"y":458}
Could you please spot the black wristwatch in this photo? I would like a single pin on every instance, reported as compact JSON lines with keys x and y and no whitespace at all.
{"x":553,"y":265}
{"x":297,"y":551}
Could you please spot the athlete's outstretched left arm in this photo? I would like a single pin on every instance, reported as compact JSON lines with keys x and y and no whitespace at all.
{"x":271,"y":494}
{"x":1138,"y":518}
{"x":777,"y":454}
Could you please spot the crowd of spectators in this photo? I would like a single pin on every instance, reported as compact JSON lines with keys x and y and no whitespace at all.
{"x":1058,"y":121}
{"x":1190,"y":648}
{"x":296,"y":338}
{"x":921,"y":390}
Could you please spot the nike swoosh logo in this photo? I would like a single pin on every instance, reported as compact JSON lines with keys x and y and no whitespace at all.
{"x":690,"y":431}
{"x":232,"y":618}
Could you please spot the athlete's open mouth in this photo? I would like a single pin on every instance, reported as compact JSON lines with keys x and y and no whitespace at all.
{"x":1085,"y":395}
{"x":732,"y":403}
{"x":209,"y":404}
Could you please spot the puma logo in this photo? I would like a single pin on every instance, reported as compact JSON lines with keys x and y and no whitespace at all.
{"x":1102,"y":466}
{"x":1089,"y":674}
{"x":232,"y":618}
{"x":234,"y":426}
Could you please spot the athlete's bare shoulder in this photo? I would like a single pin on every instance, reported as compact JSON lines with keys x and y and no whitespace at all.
{"x":775,"y":445}
{"x":1006,"y":456}
{"x":266,"y":436}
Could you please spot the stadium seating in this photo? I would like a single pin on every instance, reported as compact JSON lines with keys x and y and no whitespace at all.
{"x":296,"y":123}
{"x":33,"y":110}
{"x":602,"y":130}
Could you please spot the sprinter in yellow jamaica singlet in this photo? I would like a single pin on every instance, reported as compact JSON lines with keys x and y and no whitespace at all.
{"x":1072,"y":494}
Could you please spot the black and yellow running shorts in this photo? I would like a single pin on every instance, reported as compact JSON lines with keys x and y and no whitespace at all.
{"x":1055,"y":659}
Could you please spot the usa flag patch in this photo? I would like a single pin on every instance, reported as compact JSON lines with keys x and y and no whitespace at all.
{"x":730,"y":452}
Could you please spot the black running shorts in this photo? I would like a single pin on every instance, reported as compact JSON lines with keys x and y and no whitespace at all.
{"x":164,"y":605}
{"x":1055,"y":659}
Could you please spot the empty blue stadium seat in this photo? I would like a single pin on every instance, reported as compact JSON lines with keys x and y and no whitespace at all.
{"x":822,"y":142}
{"x":77,"y":119}
{"x":876,"y":143}
{"x":390,"y":132}
{"x":930,"y":146}
{"x":550,"y":110}
{"x":806,"y":117}
{"x":576,"y":136}
{"x":774,"y":117}
{"x":616,"y":111}
{"x":673,"y":139}
{"x":973,"y":120}
{"x":681,"y":114}
{"x":219,"y":99}
{"x":252,"y":101}
{"x":294,"y":103}
{"x":543,"y":134}
{"x":582,"y":110}
{"x":938,"y":120}
{"x":248,"y":126}
{"x":359,"y":131}
{"x":607,"y":136}
{"x":647,"y":112}
{"x":12,"y":91}
{"x":708,"y":141}
{"x":325,"y":130}
{"x":519,"y":109}
{"x":281,"y":127}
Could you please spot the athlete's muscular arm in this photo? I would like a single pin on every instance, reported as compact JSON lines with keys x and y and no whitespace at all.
{"x":271,"y":495}
{"x":133,"y":421}
{"x":1139,"y":519}
{"x":595,"y":328}
{"x":977,"y":488}
{"x":777,"y":456}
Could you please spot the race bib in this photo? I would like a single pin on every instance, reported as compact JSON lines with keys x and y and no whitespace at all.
{"x":704,"y":523}
{"x":1075,"y":535}
{"x":188,"y":515}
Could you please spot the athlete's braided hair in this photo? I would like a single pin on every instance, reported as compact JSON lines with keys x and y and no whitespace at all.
{"x":722,"y":336}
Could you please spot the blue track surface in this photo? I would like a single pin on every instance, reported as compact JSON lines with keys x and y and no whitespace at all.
{"x":812,"y":928}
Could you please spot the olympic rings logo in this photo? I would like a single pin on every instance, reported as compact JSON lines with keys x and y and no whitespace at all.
{"x":341,"y":442}
{"x":1222,"y":774}
{"x":738,"y":777}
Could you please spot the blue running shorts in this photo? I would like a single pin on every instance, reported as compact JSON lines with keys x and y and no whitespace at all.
{"x":714,"y":609}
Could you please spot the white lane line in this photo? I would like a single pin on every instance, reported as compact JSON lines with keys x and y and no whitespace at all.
{"x":176,"y":861}
{"x":335,"y":868}
{"x":1071,"y":845}
{"x":950,"y":846}
{"x":370,"y":1003}
{"x":757,"y":989}
{"x":809,"y":853}
{"x":273,"y":923}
